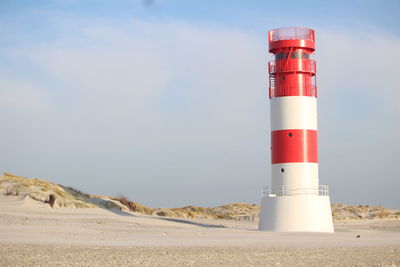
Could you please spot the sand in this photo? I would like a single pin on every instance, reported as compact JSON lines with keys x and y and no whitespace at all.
{"x":32,"y":233}
{"x":196,"y":256}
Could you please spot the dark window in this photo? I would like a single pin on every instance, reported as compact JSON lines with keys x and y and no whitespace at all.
{"x":290,"y":134}
{"x":299,"y":55}
{"x":279,"y":56}
{"x":292,"y":55}
{"x":282,"y":170}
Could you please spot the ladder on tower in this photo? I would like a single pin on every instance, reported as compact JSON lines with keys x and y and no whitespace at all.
{"x":271,"y":85}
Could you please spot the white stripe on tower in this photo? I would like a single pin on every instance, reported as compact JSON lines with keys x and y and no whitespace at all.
{"x":293,"y":112}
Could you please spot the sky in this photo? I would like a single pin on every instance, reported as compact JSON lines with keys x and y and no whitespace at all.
{"x":166,"y":101}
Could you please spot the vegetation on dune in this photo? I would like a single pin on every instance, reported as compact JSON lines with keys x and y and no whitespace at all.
{"x":54,"y":194}
{"x":40,"y":190}
{"x":62,"y":196}
{"x":361,"y":212}
{"x":134,"y":206}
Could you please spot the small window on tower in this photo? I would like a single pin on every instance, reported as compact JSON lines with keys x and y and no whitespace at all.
{"x":279,"y":56}
{"x":290,"y":134}
{"x":282,"y":170}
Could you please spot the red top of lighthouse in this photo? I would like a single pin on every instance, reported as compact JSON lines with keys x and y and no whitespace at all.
{"x":292,"y":73}
{"x":291,"y":37}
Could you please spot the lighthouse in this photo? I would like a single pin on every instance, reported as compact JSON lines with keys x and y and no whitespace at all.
{"x":294,"y":202}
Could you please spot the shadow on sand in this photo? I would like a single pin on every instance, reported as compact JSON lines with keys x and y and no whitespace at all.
{"x":205,"y":225}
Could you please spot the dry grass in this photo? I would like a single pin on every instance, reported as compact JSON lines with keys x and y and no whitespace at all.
{"x":362,"y":212}
{"x":41,"y":190}
{"x":234,"y":211}
{"x":133,"y":206}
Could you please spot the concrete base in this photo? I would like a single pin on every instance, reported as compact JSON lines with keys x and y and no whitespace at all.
{"x":299,"y":213}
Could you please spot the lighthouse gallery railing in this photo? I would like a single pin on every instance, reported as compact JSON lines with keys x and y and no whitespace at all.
{"x":279,"y":191}
{"x":291,"y":33}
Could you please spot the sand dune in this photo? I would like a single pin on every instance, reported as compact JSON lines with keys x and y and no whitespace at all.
{"x":90,"y":230}
{"x":67,"y":197}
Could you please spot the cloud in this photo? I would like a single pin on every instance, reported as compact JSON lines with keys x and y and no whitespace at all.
{"x":360,"y":63}
{"x":358,"y":86}
{"x":166,"y":112}
{"x":151,"y":103}
{"x":359,"y":117}
{"x":23,"y":97}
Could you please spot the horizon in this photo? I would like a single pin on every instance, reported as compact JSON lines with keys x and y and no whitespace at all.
{"x":166,"y":102}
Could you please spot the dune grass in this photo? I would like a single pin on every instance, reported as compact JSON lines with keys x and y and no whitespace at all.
{"x":68,"y":197}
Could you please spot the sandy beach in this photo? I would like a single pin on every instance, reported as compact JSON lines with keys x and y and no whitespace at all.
{"x":32,"y":233}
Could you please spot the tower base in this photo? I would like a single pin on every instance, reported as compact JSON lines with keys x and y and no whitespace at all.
{"x":298,"y":213}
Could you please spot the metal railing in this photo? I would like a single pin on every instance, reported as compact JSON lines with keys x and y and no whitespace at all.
{"x":302,"y":90}
{"x":279,"y":191}
{"x":293,"y":65}
{"x":291,"y":33}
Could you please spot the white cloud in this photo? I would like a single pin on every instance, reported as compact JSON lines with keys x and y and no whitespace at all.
{"x":170,"y":108}
{"x":362,"y":63}
{"x":23,"y":96}
{"x":154,"y":102}
{"x":359,"y":114}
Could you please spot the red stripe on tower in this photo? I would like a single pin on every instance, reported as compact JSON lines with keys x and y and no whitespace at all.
{"x":294,"y":146}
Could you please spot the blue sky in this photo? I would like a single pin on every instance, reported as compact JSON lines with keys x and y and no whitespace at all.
{"x":166,"y":101}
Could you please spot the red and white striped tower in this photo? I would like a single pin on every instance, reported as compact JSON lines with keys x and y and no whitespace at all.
{"x":295,"y":201}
